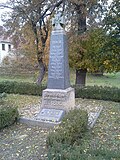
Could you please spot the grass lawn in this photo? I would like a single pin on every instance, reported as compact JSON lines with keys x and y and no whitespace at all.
{"x":102,"y":142}
{"x":112,"y":80}
{"x":17,"y":78}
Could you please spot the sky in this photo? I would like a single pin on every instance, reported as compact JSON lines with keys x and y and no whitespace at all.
{"x":3,"y":10}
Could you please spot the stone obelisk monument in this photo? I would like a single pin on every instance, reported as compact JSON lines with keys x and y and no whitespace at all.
{"x":58,"y":96}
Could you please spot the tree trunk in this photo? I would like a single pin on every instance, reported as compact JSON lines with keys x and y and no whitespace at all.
{"x":80,"y":77}
{"x":81,"y":17}
{"x":41,"y":71}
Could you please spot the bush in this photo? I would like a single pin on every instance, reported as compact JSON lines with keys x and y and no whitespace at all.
{"x":71,"y":129}
{"x":79,"y":152}
{"x":8,"y":115}
{"x":63,"y":142}
{"x":21,"y":88}
{"x":66,"y":152}
{"x":90,"y":92}
{"x":98,"y":92}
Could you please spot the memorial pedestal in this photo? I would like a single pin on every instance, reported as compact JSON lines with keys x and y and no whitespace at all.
{"x":58,"y":99}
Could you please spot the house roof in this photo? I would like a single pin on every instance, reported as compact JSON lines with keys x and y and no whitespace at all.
{"x":4,"y":40}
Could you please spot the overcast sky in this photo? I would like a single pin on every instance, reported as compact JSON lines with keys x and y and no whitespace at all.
{"x":3,"y":10}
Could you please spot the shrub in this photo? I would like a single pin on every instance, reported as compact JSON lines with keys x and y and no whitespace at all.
{"x":8,"y":115}
{"x":90,"y":92}
{"x":67,"y":152}
{"x":104,"y":153}
{"x":63,"y":142}
{"x":71,"y":129}
{"x":79,"y":152}
{"x":98,"y":92}
{"x":21,"y":88}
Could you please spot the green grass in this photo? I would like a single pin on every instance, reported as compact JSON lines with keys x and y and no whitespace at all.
{"x":21,"y":78}
{"x":18,"y":78}
{"x":108,"y":79}
{"x":104,"y":142}
{"x":112,"y":80}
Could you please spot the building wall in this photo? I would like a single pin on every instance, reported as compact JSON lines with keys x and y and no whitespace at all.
{"x":5,"y":48}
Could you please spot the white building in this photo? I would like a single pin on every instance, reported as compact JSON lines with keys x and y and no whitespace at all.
{"x":5,"y":48}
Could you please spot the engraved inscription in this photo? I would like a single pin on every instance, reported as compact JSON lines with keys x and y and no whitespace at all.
{"x":56,"y":60}
{"x":50,"y":102}
{"x":56,"y":96}
{"x":55,"y":99}
{"x":53,"y":115}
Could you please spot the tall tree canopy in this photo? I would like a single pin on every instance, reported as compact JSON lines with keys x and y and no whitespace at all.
{"x":86,"y":15}
{"x":112,"y":46}
{"x":95,"y":44}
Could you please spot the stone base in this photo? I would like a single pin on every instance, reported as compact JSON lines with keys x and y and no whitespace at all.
{"x":92,"y":118}
{"x":40,"y":123}
{"x":58,"y":99}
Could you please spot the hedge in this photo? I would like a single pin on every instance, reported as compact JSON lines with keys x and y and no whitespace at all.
{"x":21,"y":88}
{"x":98,"y":92}
{"x":89,"y":92}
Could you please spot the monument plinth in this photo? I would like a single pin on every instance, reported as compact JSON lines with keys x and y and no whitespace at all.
{"x":58,"y":95}
{"x":59,"y":99}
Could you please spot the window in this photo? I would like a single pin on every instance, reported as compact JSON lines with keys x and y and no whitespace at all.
{"x":3,"y":47}
{"x":9,"y":47}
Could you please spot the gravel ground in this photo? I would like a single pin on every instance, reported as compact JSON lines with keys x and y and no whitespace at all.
{"x":22,"y":142}
{"x":92,"y":108}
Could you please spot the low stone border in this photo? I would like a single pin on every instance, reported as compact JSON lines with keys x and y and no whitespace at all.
{"x":34,"y":122}
{"x":92,"y":118}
